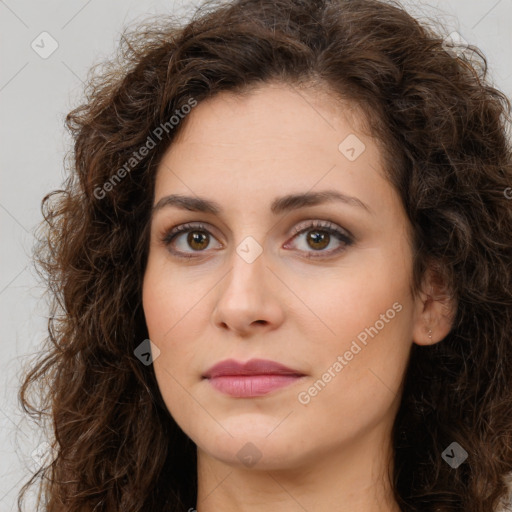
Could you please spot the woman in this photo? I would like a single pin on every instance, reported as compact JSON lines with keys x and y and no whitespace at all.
{"x":281,"y":271}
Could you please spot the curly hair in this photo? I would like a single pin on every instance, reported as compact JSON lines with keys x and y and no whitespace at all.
{"x":443,"y":130}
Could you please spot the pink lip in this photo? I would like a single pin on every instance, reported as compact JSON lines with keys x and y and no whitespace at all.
{"x":256,"y":377}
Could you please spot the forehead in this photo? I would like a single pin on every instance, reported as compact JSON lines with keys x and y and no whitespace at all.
{"x":269,"y":110}
{"x":271,"y":124}
{"x":248,"y":149}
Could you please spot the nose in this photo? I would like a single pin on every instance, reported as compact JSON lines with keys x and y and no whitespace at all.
{"x":248,"y":301}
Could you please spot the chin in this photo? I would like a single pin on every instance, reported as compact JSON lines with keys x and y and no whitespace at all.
{"x":253,"y":444}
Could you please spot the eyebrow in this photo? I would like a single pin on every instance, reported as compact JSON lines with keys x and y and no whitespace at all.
{"x":279,"y":205}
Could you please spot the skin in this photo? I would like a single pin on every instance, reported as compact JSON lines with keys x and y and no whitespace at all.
{"x":334,"y":452}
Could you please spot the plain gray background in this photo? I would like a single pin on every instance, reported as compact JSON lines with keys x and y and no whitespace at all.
{"x":35,"y":95}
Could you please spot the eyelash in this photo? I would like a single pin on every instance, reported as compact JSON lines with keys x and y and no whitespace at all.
{"x":324,"y":226}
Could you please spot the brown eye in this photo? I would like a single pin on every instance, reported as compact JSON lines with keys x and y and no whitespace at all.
{"x":318,"y":239}
{"x":198,"y":240}
{"x":313,"y":238}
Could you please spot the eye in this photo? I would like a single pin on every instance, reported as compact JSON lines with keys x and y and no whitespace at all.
{"x":198,"y":239}
{"x":318,"y":235}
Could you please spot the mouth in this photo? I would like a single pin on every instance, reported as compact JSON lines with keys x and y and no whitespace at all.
{"x":254,"y":378}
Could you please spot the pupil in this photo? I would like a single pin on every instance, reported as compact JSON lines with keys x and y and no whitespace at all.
{"x":319,"y":237}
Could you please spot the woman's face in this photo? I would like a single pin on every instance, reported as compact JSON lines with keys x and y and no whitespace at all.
{"x":320,"y":285}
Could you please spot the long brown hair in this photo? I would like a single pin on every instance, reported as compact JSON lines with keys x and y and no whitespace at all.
{"x":442,"y":128}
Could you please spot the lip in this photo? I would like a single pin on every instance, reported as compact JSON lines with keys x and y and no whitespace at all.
{"x":256,"y":377}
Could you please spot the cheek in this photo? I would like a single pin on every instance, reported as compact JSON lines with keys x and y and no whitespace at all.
{"x":170,"y":301}
{"x":168,"y":319}
{"x":369,"y":313}
{"x":175,"y":317}
{"x":343,"y":304}
{"x":357,"y":376}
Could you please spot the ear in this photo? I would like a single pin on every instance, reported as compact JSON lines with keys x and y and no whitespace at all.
{"x":435,"y":310}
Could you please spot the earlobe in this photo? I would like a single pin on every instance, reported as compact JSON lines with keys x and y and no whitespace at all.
{"x":435,"y":311}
